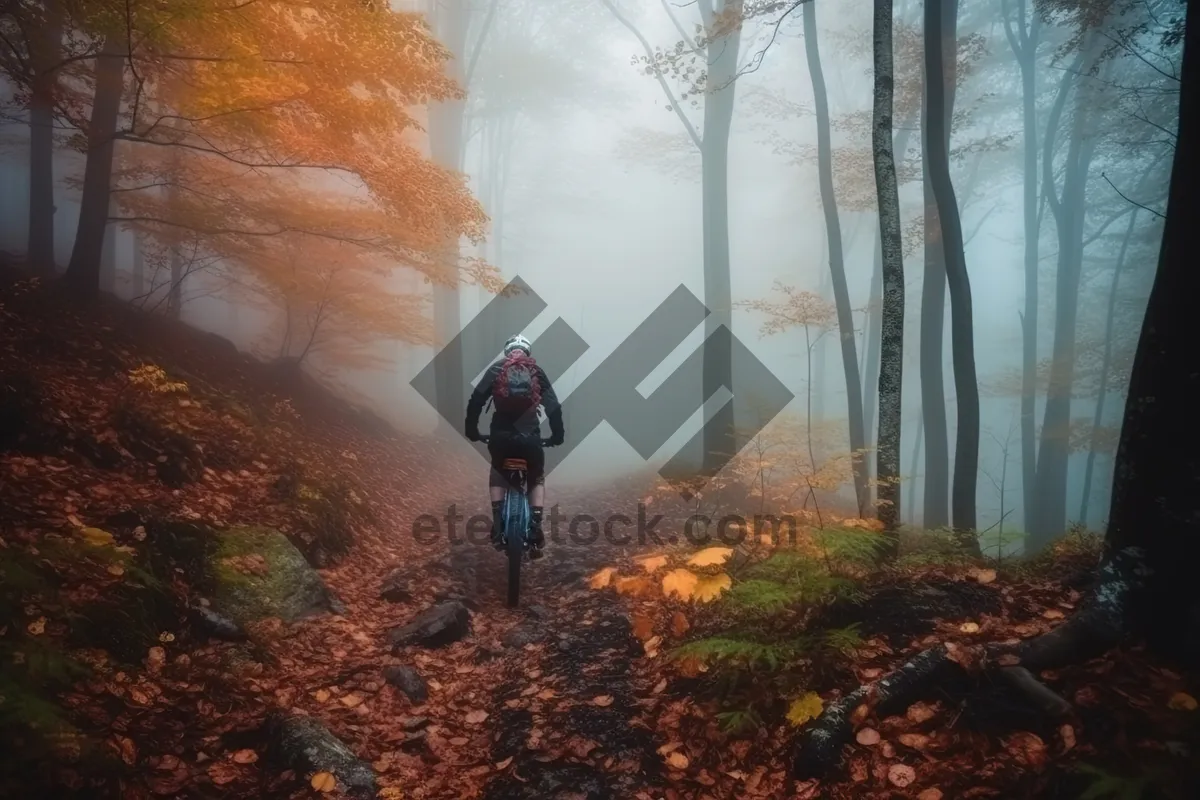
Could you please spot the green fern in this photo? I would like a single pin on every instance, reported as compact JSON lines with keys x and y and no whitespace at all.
{"x":739,"y":652}
{"x":739,"y":721}
{"x":765,"y":596}
{"x":842,"y":640}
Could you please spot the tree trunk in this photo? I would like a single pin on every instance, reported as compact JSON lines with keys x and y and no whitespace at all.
{"x":1050,"y":505}
{"x":83,"y":273}
{"x":914,"y":465}
{"x":940,"y":42}
{"x":139,"y":269}
{"x":892,"y":313}
{"x":1024,"y":43}
{"x":837,"y":268}
{"x":45,"y":50}
{"x":1146,"y":585}
{"x":722,"y":57}
{"x":450,"y":19}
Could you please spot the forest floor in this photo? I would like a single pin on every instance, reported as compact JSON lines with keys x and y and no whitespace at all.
{"x":575,"y":694}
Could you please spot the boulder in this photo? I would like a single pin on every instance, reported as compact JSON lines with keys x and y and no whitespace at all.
{"x":435,"y":627}
{"x":305,"y":745}
{"x":259,"y":573}
{"x":396,"y":587}
{"x":409,"y":681}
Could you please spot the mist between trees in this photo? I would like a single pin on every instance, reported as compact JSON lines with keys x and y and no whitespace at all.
{"x":343,"y":204}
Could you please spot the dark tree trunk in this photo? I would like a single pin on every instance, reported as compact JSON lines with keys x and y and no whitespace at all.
{"x":892,"y":315}
{"x":1146,"y":586}
{"x":139,"y":268}
{"x":45,"y":48}
{"x":940,"y":37}
{"x":837,"y":267}
{"x":1050,"y":504}
{"x":83,"y":273}
{"x":935,"y":507}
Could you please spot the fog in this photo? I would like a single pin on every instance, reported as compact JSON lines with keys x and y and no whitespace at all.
{"x":594,"y":195}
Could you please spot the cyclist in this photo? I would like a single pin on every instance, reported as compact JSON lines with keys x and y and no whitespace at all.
{"x":516,"y":386}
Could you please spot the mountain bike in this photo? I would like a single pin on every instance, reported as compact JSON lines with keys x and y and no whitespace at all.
{"x":516,"y":519}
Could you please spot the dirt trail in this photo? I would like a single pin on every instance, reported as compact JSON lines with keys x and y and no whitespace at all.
{"x":563,"y":719}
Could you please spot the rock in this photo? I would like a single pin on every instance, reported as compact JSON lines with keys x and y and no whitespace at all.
{"x":435,"y":627}
{"x":306,"y":746}
{"x":396,"y":588}
{"x":521,"y":635}
{"x":456,"y":596}
{"x":288,"y":588}
{"x":538,"y":612}
{"x":414,"y":723}
{"x":409,"y":681}
{"x":335,"y":605}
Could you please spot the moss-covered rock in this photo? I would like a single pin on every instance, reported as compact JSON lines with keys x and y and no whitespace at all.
{"x":259,"y":573}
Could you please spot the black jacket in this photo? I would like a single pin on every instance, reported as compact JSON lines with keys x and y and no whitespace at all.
{"x":526,"y":423}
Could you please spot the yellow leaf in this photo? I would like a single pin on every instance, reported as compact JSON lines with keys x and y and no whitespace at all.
{"x":1182,"y":701}
{"x":116,"y":569}
{"x":677,"y":760}
{"x":652,"y":563}
{"x":96,"y":537}
{"x":602,"y":578}
{"x":351,"y":700}
{"x":680,"y":582}
{"x":394,"y":792}
{"x":969,"y":627}
{"x":37,"y":627}
{"x":321,"y":695}
{"x":806,"y":707}
{"x":324,"y":782}
{"x":636,"y":586}
{"x":710,"y":587}
{"x":710,"y":557}
{"x":166,"y":636}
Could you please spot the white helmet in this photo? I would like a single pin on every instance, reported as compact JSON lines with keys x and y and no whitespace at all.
{"x":517,"y":342}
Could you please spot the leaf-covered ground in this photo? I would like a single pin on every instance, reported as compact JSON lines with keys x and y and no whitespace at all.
{"x":113,"y":420}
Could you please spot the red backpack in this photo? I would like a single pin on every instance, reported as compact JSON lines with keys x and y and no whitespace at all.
{"x":517,"y":388}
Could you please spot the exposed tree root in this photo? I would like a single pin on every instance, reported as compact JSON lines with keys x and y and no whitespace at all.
{"x":1104,"y":622}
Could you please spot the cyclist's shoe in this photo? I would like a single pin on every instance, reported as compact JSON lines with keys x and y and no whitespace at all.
{"x":537,"y":543}
{"x":497,"y":539}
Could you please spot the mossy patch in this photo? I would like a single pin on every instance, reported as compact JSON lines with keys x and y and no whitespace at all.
{"x":259,"y":573}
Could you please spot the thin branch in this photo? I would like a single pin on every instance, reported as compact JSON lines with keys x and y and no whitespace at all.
{"x":687,"y":124}
{"x":1128,"y":200}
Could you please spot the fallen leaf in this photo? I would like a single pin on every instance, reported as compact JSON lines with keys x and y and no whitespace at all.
{"x":507,"y":761}
{"x":710,"y":557}
{"x":901,"y":775}
{"x":679,"y":623}
{"x":323,"y":782}
{"x":321,"y":695}
{"x":969,"y":627}
{"x":930,"y":794}
{"x":710,"y":587}
{"x":634,"y":586}
{"x":660,"y":686}
{"x":1182,"y":701}
{"x":351,"y":700}
{"x":867,"y":736}
{"x":459,"y":741}
{"x":920,"y":712}
{"x":602,"y":578}
{"x":652,"y":563}
{"x":602,"y":700}
{"x":651,"y":646}
{"x":677,"y":760}
{"x":476,"y":717}
{"x":37,"y":627}
{"x":643,"y":627}
{"x":804,"y":708}
{"x":96,"y":537}
{"x":917,"y":741}
{"x":1008,"y":660}
{"x":1068,"y":736}
{"x":983,"y":575}
{"x":222,"y":772}
{"x":669,"y":748}
{"x":116,"y":569}
{"x":871,"y":673}
{"x":680,"y":582}
{"x":245,"y":757}
{"x":128,"y":750}
{"x":1027,"y":748}
{"x":1052,"y":613}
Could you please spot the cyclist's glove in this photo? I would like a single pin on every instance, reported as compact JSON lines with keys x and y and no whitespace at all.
{"x":555,"y":440}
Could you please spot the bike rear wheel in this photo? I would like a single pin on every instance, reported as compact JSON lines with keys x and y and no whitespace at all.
{"x":516,"y":525}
